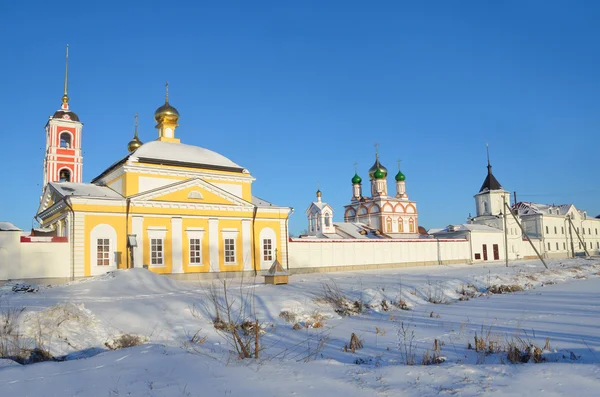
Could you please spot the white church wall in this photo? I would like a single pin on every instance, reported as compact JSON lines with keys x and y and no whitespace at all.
{"x":330,"y":255}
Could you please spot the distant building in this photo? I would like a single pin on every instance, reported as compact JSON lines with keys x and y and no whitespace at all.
{"x":555,"y":231}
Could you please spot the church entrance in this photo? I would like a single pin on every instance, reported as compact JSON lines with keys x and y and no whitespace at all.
{"x":496,"y":252}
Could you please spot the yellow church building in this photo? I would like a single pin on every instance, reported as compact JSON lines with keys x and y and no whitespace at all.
{"x":172,"y":207}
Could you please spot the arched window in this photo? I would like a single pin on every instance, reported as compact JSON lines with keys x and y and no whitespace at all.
{"x":327,"y":222}
{"x":65,"y":140}
{"x":388,"y":225}
{"x":400,"y":225}
{"x":311,"y":223}
{"x":103,"y":240}
{"x":411,"y":225}
{"x":64,"y":175}
{"x":485,"y":208}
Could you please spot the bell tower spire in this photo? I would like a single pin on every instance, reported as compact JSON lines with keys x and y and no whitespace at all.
{"x":65,"y":97}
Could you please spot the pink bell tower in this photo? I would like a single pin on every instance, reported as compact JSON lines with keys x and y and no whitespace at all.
{"x":63,"y":161}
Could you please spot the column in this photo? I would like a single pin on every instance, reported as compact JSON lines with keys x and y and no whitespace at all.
{"x":246,"y":242}
{"x":176,"y":245}
{"x":137,"y":228}
{"x":213,"y":244}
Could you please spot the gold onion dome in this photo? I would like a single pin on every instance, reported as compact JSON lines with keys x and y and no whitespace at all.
{"x":375,"y":167}
{"x":135,"y":142}
{"x":166,"y":111}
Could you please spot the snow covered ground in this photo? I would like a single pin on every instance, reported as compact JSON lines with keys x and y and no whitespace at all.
{"x":303,"y":336}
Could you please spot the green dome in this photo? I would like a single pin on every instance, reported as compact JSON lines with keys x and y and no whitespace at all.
{"x":356,"y":179}
{"x":379,"y":174}
{"x":400,"y":176}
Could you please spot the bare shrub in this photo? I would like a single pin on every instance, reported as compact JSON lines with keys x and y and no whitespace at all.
{"x":406,"y":345}
{"x":354,"y":344}
{"x":233,"y":318}
{"x":333,"y":295}
{"x":434,"y":293}
{"x":124,"y":341}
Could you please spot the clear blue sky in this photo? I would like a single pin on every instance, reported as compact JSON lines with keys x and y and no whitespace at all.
{"x":297,"y":91}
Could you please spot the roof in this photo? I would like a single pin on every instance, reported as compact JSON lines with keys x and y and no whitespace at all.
{"x":260,"y":202}
{"x":545,"y":209}
{"x":178,"y":154}
{"x":8,"y":227}
{"x":277,"y":270}
{"x":65,"y":115}
{"x":83,"y":189}
{"x":465,"y":227}
{"x":181,"y":154}
{"x":490,"y":182}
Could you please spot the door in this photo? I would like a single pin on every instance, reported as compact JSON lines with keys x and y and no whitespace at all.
{"x":485,"y":252}
{"x":496,"y":252}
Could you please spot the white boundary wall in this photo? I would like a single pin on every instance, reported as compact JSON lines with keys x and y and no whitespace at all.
{"x":36,"y":259}
{"x":307,"y":255}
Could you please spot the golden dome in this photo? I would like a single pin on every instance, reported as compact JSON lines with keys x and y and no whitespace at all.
{"x":134,"y":144}
{"x":166,"y":112}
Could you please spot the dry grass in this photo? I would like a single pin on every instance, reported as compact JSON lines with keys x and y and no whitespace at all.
{"x":505,"y":288}
{"x":433,"y":356}
{"x":333,"y":295}
{"x":354,"y":344}
{"x":124,"y":341}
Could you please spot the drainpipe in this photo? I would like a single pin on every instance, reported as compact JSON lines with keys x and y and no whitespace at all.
{"x":127,"y":248}
{"x":72,"y":238}
{"x":254,"y":240}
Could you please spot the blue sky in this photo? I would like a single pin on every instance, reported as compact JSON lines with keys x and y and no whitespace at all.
{"x":298,"y":91}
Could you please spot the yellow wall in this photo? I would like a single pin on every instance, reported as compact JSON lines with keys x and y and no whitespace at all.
{"x":118,"y":223}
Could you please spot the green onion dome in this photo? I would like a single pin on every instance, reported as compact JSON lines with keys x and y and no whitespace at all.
{"x":400,"y":176}
{"x":375,"y":167}
{"x":356,"y":179}
{"x":379,"y":174}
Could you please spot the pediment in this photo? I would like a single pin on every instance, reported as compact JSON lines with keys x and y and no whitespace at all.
{"x":192,"y":191}
{"x":49,"y":197}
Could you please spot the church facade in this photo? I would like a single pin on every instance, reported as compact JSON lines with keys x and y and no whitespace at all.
{"x":170,"y":207}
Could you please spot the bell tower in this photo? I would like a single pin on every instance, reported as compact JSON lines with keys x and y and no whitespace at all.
{"x":63,"y":161}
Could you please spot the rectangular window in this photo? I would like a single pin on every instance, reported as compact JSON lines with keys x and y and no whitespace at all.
{"x":195,"y":251}
{"x":557,"y":247}
{"x":562,"y":230}
{"x":548,"y":246}
{"x":547,"y":232}
{"x":589,"y":230}
{"x":103,"y":249}
{"x":555,"y":230}
{"x":267,"y":249}
{"x":583,"y":230}
{"x":597,"y":244}
{"x":564,"y":246}
{"x":229,"y":250}
{"x":156,"y":252}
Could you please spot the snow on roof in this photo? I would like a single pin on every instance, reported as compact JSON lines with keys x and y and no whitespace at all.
{"x":181,"y":153}
{"x":8,"y":227}
{"x":464,"y":227}
{"x":83,"y":189}
{"x":260,"y":202}
{"x":354,"y":229}
{"x":546,"y":209}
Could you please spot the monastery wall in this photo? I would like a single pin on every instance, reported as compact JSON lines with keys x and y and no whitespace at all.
{"x":33,"y":258}
{"x":319,"y":255}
